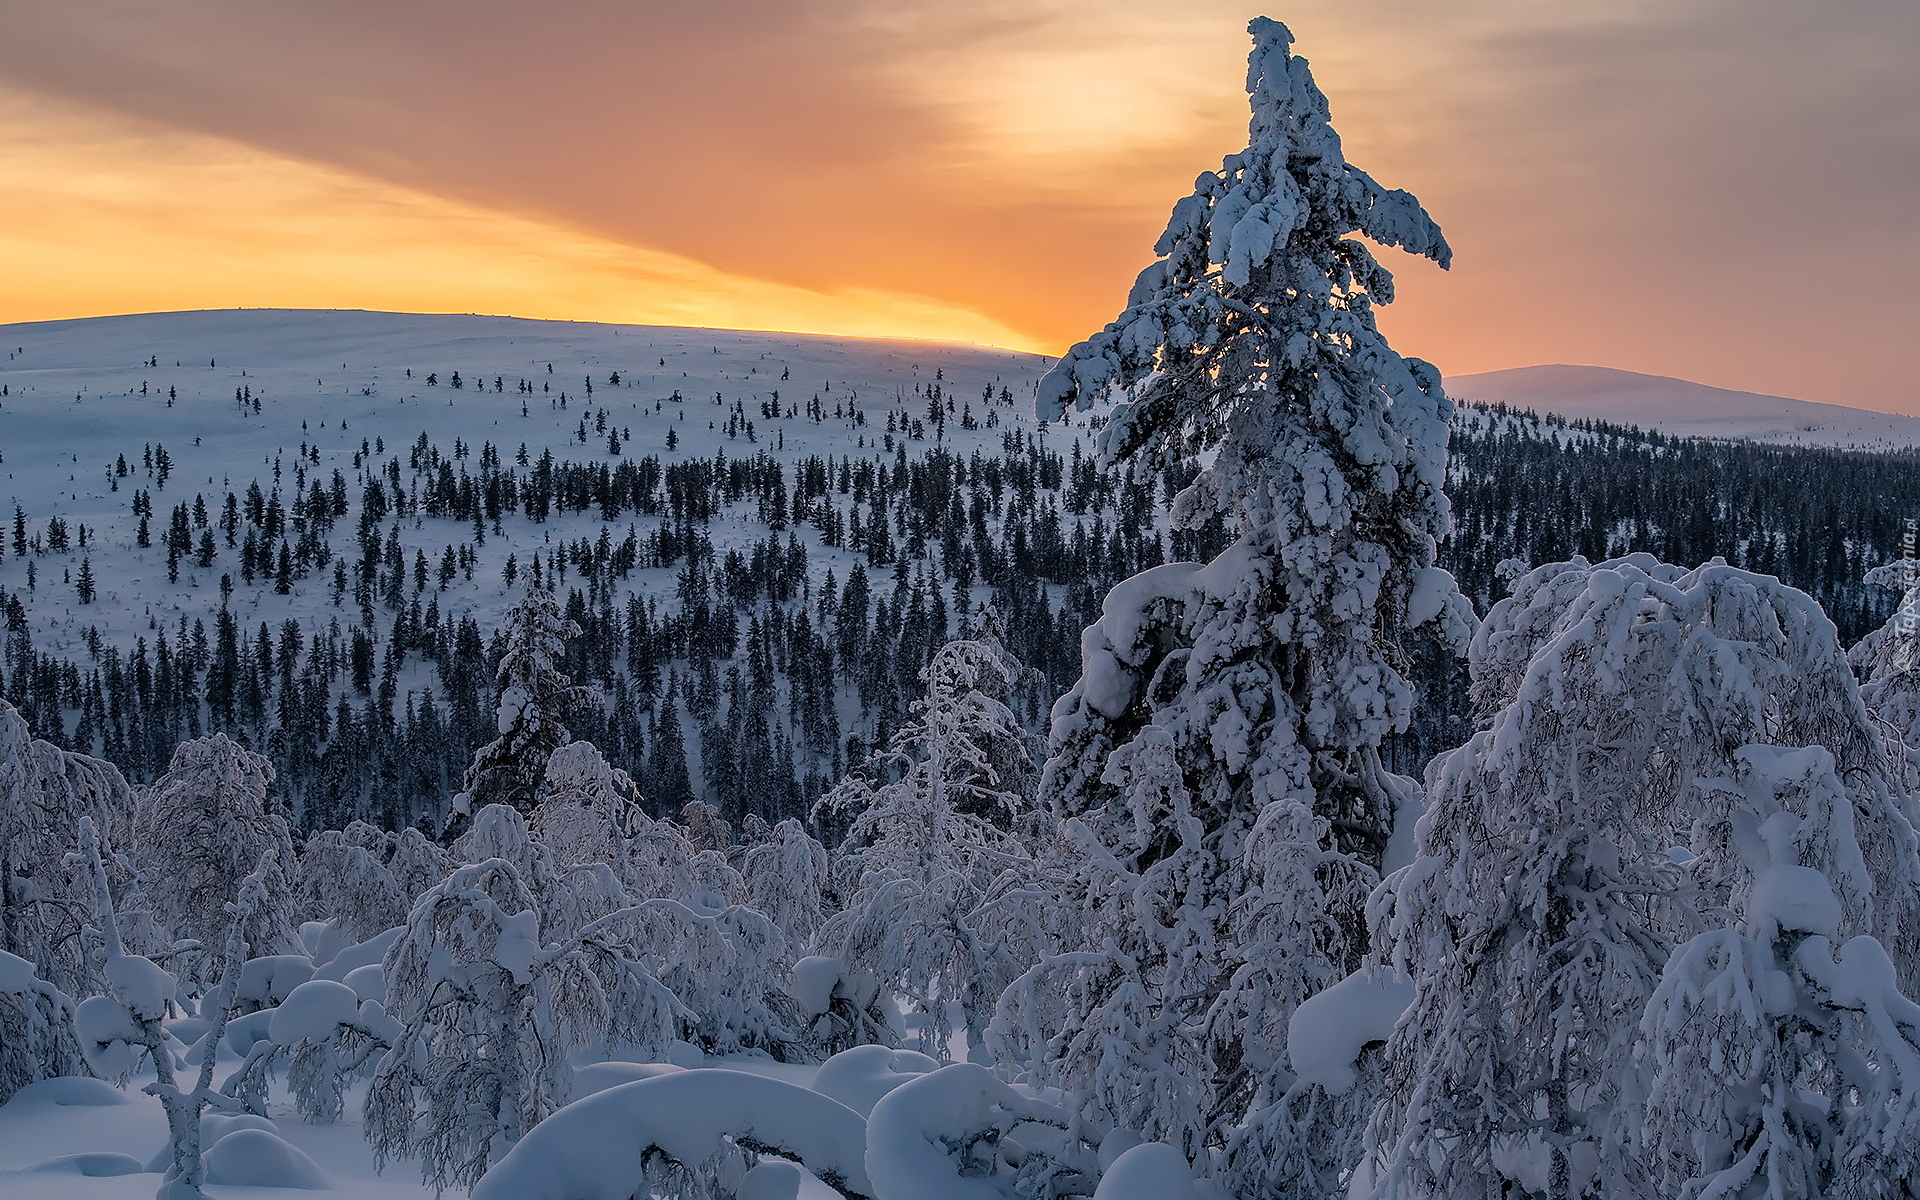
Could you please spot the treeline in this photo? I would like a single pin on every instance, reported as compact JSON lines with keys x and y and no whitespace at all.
{"x":756,"y":681}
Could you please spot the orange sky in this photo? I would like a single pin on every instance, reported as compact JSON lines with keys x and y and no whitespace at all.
{"x":1716,"y":189}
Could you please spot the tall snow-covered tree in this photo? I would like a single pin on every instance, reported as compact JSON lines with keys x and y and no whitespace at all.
{"x":535,"y":698}
{"x":1544,"y":901}
{"x":1270,"y":676}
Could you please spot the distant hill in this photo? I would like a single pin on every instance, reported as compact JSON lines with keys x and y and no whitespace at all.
{"x":1677,"y":406}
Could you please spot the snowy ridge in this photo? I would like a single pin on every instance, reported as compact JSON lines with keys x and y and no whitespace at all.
{"x":1684,"y":409}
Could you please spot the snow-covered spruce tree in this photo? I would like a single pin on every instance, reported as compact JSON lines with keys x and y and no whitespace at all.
{"x":44,"y":791}
{"x":197,"y":831}
{"x":488,"y":1015}
{"x":1271,"y":675}
{"x":942,"y":908}
{"x":1783,"y":1059}
{"x":535,"y":698}
{"x":1543,"y":903}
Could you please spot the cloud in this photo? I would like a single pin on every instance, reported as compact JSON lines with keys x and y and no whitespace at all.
{"x":101,"y":215}
{"x":1711,"y":188}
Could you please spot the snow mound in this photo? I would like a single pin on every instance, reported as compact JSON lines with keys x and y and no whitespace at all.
{"x":213,"y":1127}
{"x":859,"y":1077}
{"x":598,"y":1077}
{"x":266,"y":981}
{"x":256,"y":1158}
{"x":16,"y":973}
{"x":1149,"y":1171}
{"x":368,"y":982}
{"x":107,"y":1034}
{"x":93,"y":1166}
{"x":361,"y":954}
{"x":68,"y":1091}
{"x":771,"y":1180}
{"x":312,"y":1011}
{"x":915,"y":1129}
{"x":597,"y":1148}
{"x":1328,"y":1031}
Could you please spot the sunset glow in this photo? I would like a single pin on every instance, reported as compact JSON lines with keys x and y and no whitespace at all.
{"x":983,"y":171}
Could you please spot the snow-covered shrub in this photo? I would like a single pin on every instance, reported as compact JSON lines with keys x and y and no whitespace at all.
{"x":1243,"y":702}
{"x":730,"y":967}
{"x":786,"y":878}
{"x":1542,"y":907}
{"x":1783,"y":1059}
{"x":942,"y":908}
{"x":588,"y":815}
{"x":959,"y":1133}
{"x":44,"y":791}
{"x":588,"y":809}
{"x":343,"y":877}
{"x":675,"y":1133}
{"x":489,"y":1014}
{"x":1889,"y":658}
{"x":326,"y":1034}
{"x":141,"y":993}
{"x":197,"y":831}
{"x":1307,"y":1139}
{"x":500,"y":831}
{"x":535,"y":698}
{"x":705,"y":828}
{"x":859,"y":1076}
{"x":39,"y":1041}
{"x":417,"y":863}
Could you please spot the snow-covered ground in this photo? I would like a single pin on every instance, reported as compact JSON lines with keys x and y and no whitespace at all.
{"x":71,"y":1139}
{"x":1676,"y":406}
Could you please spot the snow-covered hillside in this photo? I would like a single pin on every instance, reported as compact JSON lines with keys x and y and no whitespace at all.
{"x":80,"y":395}
{"x":1676,"y":406}
{"x":656,"y":474}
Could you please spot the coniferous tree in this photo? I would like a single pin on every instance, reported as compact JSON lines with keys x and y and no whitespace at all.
{"x":1267,"y":679}
{"x":534,"y":701}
